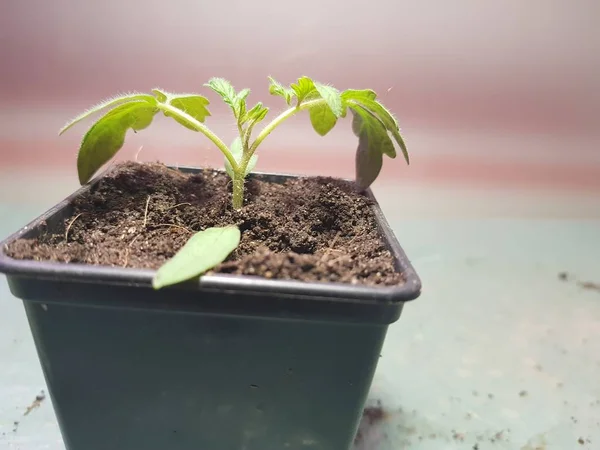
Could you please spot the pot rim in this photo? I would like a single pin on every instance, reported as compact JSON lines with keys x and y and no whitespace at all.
{"x":86,"y":273}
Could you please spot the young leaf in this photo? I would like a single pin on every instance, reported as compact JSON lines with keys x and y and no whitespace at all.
{"x":276,"y":88}
{"x":322,"y":119}
{"x":201,"y":252}
{"x":224,"y":88}
{"x":332,"y":97}
{"x":372,"y":143}
{"x":242,"y":95}
{"x":240,"y":103}
{"x":106,"y":137}
{"x":237,"y":151}
{"x":304,"y":88}
{"x":256,"y":114}
{"x":106,"y":104}
{"x":161,"y":96}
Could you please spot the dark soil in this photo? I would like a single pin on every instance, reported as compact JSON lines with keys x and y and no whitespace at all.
{"x":140,"y":215}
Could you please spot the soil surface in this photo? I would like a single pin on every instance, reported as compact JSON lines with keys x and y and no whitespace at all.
{"x":139,"y":215}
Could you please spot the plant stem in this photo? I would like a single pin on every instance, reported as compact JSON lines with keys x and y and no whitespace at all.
{"x":238,"y":190}
{"x":275,"y":123}
{"x":238,"y":179}
{"x":202,"y":129}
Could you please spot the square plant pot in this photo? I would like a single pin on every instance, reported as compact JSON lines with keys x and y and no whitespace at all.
{"x":227,"y":362}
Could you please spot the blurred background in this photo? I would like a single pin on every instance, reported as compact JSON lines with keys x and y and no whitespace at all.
{"x":499,"y":95}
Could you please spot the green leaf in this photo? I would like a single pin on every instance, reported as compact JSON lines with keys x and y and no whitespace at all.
{"x":322,"y":119}
{"x":109,"y":103}
{"x":193,"y":104}
{"x":225,"y":89}
{"x":107,"y":136}
{"x":304,"y":88}
{"x":390,"y":124}
{"x":276,"y":88}
{"x":373,"y":142}
{"x":237,"y":151}
{"x":202,"y":252}
{"x":358,"y":94}
{"x":242,"y":95}
{"x":256,"y":114}
{"x":367,"y":98}
{"x":160,"y":95}
{"x":332,"y":97}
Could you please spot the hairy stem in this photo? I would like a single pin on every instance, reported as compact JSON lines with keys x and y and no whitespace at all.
{"x":202,"y":129}
{"x":276,"y":122}
{"x":238,"y":190}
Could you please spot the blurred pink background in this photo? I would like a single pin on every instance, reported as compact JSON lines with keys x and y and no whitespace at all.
{"x":492,"y":93}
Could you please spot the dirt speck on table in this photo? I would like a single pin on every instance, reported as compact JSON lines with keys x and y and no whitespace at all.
{"x":36,"y":403}
{"x":372,"y":415}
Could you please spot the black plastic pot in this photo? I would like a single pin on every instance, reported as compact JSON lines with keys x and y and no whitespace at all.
{"x":226,"y":363}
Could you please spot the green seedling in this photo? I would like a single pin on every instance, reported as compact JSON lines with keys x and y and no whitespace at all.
{"x":375,"y":127}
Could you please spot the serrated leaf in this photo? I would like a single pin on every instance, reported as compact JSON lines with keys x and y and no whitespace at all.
{"x":225,"y":89}
{"x":202,"y":252}
{"x":367,"y":98}
{"x":322,"y":119}
{"x":304,"y":88}
{"x":390,"y":124}
{"x":373,"y":142}
{"x":107,"y":104}
{"x":332,"y":97}
{"x":237,"y":151}
{"x":276,"y":88}
{"x":193,"y":104}
{"x":107,"y":136}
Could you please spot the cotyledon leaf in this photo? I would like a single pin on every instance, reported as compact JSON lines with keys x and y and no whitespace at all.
{"x":106,"y":137}
{"x":203,"y":251}
{"x":135,"y":97}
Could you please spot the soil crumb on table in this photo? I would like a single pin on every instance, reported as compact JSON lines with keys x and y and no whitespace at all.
{"x":372,"y":415}
{"x":140,"y":214}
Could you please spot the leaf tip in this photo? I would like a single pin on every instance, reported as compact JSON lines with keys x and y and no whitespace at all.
{"x":156,"y":284}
